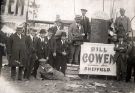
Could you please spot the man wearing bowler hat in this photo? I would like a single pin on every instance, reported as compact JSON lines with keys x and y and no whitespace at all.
{"x":17,"y":52}
{"x":86,"y":25}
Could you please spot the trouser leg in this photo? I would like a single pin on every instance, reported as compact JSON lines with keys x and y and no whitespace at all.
{"x":13,"y":73}
{"x":118,"y":69}
{"x":63,"y":64}
{"x":20,"y":73}
{"x":36,"y":65}
{"x":77,"y":54}
{"x":0,"y":63}
{"x":129,"y":70}
{"x":58,"y":62}
{"x":123,"y":68}
{"x":71,"y":55}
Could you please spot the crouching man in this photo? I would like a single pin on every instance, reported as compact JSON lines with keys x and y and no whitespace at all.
{"x":46,"y":71}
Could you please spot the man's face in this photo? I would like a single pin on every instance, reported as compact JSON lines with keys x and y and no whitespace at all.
{"x":121,"y":39}
{"x":58,"y":23}
{"x":122,"y":12}
{"x":83,"y":13}
{"x":42,"y":35}
{"x":77,"y":20}
{"x":50,"y":34}
{"x":33,"y":33}
{"x":19,"y":31}
{"x":63,"y":38}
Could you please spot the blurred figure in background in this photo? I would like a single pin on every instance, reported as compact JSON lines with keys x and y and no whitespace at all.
{"x":86,"y":25}
{"x":122,"y":24}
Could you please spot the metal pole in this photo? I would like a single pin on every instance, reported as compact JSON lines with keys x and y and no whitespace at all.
{"x":103,"y":5}
{"x":74,"y":8}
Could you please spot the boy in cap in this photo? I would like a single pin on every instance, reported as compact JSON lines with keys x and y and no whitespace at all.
{"x":120,"y":58}
{"x":61,"y":53}
{"x":86,"y":25}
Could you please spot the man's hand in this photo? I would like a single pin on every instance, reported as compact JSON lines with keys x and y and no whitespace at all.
{"x":83,"y":34}
{"x":54,"y":54}
{"x":64,"y":53}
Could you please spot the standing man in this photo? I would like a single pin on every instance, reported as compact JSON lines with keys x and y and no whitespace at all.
{"x":86,"y":25}
{"x":17,"y":52}
{"x":121,"y":58}
{"x":32,"y":52}
{"x":41,"y":51}
{"x":62,"y":52}
{"x":122,"y":24}
{"x":76,"y":34}
{"x":52,"y":48}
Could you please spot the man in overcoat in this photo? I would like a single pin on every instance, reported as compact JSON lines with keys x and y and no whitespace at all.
{"x":17,"y":52}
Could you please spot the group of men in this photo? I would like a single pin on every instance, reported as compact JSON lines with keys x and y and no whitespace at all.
{"x":54,"y":48}
{"x":27,"y":52}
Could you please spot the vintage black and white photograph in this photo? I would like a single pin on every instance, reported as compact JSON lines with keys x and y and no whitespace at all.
{"x":67,"y":46}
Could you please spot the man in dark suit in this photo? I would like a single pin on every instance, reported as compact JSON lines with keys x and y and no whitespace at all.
{"x":122,"y":24}
{"x":86,"y":25}
{"x":17,"y":52}
{"x":31,"y":42}
{"x":121,"y":58}
{"x":131,"y":63}
{"x":75,"y":36}
{"x":41,"y":51}
{"x":52,"y":48}
{"x":61,"y":53}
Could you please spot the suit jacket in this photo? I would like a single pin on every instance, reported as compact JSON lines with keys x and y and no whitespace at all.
{"x":86,"y":25}
{"x":74,"y":31}
{"x":17,"y":49}
{"x":51,"y":44}
{"x":31,"y":44}
{"x":42,"y":49}
{"x":123,"y":21}
{"x":61,"y":47}
{"x":3,"y":39}
{"x":121,"y":50}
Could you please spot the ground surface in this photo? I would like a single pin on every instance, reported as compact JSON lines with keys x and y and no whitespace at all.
{"x":91,"y":85}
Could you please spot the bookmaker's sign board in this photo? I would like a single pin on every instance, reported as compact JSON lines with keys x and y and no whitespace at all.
{"x":97,"y":59}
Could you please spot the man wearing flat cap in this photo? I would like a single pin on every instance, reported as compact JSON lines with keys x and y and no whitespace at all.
{"x":17,"y":52}
{"x":86,"y":25}
{"x":75,"y":36}
{"x":122,"y":24}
